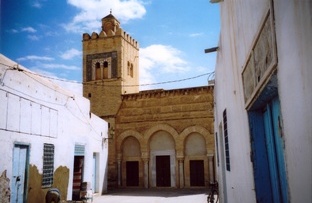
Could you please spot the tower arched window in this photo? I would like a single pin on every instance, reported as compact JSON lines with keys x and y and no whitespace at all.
{"x":131,"y":70}
{"x":98,"y":71}
{"x":105,"y":70}
{"x":128,"y":68}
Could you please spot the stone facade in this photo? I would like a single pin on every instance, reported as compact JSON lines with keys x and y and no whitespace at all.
{"x":176,"y":122}
{"x":157,"y":138}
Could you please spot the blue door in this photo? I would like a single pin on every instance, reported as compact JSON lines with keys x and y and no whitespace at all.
{"x":268,"y":153}
{"x":20,"y":171}
{"x":259,"y":157}
{"x":274,"y":144}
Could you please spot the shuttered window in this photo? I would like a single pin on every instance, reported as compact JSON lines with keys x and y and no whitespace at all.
{"x":226,"y":141}
{"x":48,"y":165}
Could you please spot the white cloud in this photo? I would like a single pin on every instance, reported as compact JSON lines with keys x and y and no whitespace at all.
{"x":13,"y":31}
{"x":34,"y":57}
{"x":57,"y":66}
{"x":196,"y":34}
{"x":91,"y":11}
{"x":33,"y":37}
{"x":71,"y":53}
{"x":160,"y":59}
{"x":164,"y":58}
{"x":28,"y":29}
{"x":36,"y":5}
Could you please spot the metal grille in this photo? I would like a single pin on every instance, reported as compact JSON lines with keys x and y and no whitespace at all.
{"x":48,"y":165}
{"x":79,"y":150}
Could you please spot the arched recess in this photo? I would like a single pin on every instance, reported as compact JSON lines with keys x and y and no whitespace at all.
{"x":158,"y":127}
{"x":124,"y":135}
{"x":198,"y":129}
{"x":195,"y":160}
{"x":162,"y":165}
{"x":195,"y":145}
{"x":131,"y":163}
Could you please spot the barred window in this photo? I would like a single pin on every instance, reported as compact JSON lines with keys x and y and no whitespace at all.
{"x":226,"y":141}
{"x":48,"y":165}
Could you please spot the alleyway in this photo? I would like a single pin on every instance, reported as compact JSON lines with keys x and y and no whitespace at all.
{"x":154,"y":196}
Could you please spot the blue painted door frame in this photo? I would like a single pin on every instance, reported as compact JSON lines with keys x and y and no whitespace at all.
{"x":268,"y":153}
{"x":19,"y":173}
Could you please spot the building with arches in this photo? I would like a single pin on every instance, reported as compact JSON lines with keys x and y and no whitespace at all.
{"x":157,"y":138}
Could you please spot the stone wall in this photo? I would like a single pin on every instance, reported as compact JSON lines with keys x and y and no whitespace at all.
{"x":178,"y":108}
{"x":5,"y":192}
{"x":60,"y":181}
{"x":180,"y":112}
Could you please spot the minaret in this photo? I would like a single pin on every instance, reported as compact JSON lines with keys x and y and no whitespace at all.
{"x":110,"y":69}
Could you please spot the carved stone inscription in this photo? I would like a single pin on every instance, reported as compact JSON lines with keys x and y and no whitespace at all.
{"x":260,"y":60}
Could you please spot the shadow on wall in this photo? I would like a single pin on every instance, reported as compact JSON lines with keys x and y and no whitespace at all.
{"x":35,"y":191}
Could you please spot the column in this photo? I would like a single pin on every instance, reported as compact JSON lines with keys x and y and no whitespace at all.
{"x":210,"y":166}
{"x":145,"y":160}
{"x":119,"y":172}
{"x":181,"y":172}
{"x":119,"y":169}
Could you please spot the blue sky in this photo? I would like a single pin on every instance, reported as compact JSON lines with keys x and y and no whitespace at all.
{"x":45,"y":36}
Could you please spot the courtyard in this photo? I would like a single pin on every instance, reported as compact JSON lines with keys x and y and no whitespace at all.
{"x":157,"y":195}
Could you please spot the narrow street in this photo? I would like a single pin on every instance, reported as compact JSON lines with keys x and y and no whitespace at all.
{"x":154,"y":196}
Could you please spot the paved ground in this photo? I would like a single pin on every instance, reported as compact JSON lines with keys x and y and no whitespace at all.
{"x":154,"y":196}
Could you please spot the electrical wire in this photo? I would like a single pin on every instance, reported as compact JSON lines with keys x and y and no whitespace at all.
{"x":86,"y":121}
{"x":210,"y":74}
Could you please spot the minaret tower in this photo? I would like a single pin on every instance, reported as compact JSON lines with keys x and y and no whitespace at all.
{"x":110,"y":67}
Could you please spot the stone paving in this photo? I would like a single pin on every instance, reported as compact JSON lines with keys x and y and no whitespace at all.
{"x":165,"y":195}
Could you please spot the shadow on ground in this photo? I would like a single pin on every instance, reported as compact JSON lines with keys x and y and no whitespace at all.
{"x":158,"y":192}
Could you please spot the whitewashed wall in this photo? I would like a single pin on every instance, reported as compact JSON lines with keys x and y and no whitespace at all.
{"x":34,"y":111}
{"x":240,"y":21}
{"x":294,"y":46}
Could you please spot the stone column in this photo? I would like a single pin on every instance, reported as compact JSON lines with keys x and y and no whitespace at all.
{"x":119,"y":169}
{"x":146,"y":161}
{"x":181,"y":172}
{"x":210,"y":166}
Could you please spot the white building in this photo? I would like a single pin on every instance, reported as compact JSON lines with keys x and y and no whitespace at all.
{"x":49,"y":138}
{"x":263,"y":98}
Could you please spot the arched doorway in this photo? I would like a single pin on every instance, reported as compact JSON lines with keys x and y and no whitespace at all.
{"x":131,"y":162}
{"x":196,"y":164}
{"x":162,"y":160}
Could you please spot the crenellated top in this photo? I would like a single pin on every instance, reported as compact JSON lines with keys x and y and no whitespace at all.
{"x":164,"y":93}
{"x":110,"y":28}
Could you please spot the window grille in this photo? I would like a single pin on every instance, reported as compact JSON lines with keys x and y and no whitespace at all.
{"x":48,"y":165}
{"x":79,"y":150}
{"x":226,"y":142}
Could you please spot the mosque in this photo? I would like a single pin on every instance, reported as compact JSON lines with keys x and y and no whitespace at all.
{"x":157,"y":138}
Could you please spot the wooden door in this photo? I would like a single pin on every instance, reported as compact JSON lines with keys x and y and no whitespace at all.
{"x":274,"y":145}
{"x":163,"y":177}
{"x":132,"y":173}
{"x":268,"y":154}
{"x":197,"y":176}
{"x":20,"y":168}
